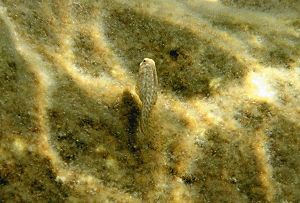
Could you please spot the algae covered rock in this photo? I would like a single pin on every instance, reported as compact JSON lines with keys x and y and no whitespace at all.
{"x":224,"y":127}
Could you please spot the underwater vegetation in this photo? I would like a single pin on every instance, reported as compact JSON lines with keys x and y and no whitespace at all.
{"x":224,"y":127}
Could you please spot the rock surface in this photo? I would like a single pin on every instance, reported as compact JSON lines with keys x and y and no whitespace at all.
{"x":225,"y":127}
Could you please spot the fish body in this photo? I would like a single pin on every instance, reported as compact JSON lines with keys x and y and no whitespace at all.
{"x":147,"y":86}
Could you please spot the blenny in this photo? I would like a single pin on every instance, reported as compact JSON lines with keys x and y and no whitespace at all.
{"x":146,"y":88}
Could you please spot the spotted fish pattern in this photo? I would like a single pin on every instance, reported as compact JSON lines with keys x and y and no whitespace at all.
{"x":147,"y":86}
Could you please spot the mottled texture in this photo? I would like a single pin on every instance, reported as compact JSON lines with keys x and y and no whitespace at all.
{"x":147,"y":86}
{"x":225,"y":126}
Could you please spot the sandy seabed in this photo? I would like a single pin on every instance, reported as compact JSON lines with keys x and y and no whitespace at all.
{"x":225,"y":127}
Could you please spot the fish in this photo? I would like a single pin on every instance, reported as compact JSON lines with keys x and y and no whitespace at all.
{"x":146,"y":88}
